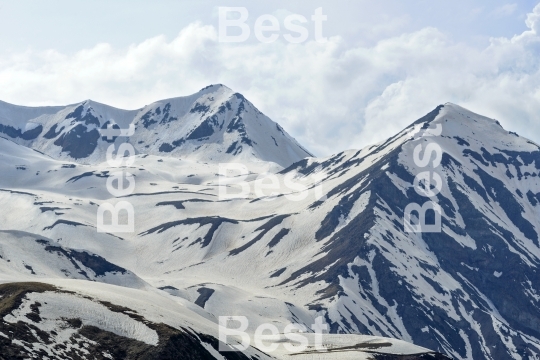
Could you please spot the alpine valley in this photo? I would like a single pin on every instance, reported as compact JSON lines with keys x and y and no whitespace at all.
{"x":67,"y":291}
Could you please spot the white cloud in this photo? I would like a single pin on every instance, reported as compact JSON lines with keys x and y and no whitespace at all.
{"x":505,"y":10}
{"x":330,"y":96}
{"x":533,"y":20}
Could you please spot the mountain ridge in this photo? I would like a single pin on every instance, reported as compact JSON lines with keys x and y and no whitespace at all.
{"x":221,"y":122}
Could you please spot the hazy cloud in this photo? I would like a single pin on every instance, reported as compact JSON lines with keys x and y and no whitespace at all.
{"x":505,"y":10}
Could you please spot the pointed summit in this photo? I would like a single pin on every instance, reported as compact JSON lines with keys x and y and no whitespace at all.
{"x":460,"y":123}
{"x":215,"y":124}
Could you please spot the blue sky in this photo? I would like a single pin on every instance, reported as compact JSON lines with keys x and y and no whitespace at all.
{"x":72,"y":25}
{"x":386,"y":63}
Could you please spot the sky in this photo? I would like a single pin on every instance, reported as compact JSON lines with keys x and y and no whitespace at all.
{"x":385,"y":63}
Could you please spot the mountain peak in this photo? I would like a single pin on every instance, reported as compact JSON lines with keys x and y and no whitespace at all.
{"x":456,"y":112}
{"x":461,"y":122}
{"x":215,"y":86}
{"x":214,"y":124}
{"x":458,"y":122}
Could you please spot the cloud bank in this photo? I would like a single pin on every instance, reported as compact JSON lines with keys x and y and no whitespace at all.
{"x":330,"y":96}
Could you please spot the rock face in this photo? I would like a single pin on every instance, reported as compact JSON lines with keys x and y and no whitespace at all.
{"x":469,"y":291}
{"x":214,"y":124}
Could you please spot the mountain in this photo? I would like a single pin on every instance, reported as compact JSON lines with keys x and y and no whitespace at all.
{"x":469,"y":291}
{"x":214,"y":124}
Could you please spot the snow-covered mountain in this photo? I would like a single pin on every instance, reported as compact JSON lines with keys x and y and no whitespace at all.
{"x":214,"y":124}
{"x":470,"y":291}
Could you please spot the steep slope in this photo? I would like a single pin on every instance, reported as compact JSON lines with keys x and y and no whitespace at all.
{"x":214,"y":124}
